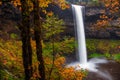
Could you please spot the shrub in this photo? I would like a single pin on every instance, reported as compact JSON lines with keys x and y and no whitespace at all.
{"x":95,"y":55}
{"x":116,"y":57}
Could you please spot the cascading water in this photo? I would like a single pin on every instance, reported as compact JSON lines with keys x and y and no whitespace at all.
{"x":81,"y":51}
{"x":82,"y":54}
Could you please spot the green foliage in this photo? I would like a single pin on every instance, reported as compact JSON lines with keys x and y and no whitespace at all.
{"x":67,"y":45}
{"x":102,"y":46}
{"x":95,"y":2}
{"x":52,"y":27}
{"x":85,"y":72}
{"x":116,"y":57}
{"x":108,"y":55}
{"x":63,"y":47}
{"x":2,"y":74}
{"x":13,"y":36}
{"x":95,"y":55}
{"x":5,"y":75}
{"x":91,"y":45}
{"x":11,"y":59}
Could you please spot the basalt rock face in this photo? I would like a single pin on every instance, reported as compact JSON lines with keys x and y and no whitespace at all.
{"x":104,"y":33}
{"x":10,"y":16}
{"x":91,"y":15}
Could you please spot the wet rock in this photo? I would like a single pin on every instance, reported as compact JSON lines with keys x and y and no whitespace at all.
{"x":92,"y":14}
{"x":111,"y":69}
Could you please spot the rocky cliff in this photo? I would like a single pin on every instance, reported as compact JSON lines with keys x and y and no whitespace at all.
{"x":91,"y":15}
{"x":10,"y":16}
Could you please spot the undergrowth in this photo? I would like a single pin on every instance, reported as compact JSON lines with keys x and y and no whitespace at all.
{"x":11,"y":65}
{"x":104,"y":48}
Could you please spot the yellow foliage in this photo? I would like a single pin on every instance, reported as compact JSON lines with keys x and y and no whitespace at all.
{"x":104,"y":17}
{"x":71,"y":74}
{"x":111,"y":8}
{"x":67,"y":73}
{"x":44,"y":3}
{"x":35,"y":70}
{"x":33,"y":44}
{"x":61,"y":3}
{"x":50,"y":13}
{"x":10,"y":56}
{"x":59,"y":61}
{"x":10,"y":52}
{"x":101,"y":23}
{"x":47,"y":60}
{"x":112,"y":5}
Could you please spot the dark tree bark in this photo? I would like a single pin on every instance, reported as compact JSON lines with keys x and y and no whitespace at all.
{"x":26,"y":44}
{"x":38,"y":38}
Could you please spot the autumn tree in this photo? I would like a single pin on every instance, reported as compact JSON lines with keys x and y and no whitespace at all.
{"x":111,"y":10}
{"x":38,"y":7}
{"x":25,"y":35}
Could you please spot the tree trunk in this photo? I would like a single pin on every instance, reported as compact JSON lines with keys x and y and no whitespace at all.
{"x":26,"y":44}
{"x":38,"y":38}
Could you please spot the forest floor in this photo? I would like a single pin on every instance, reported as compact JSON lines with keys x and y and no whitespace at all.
{"x":108,"y":71}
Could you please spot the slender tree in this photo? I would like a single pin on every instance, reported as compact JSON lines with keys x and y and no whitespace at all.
{"x":26,"y":44}
{"x":38,"y":6}
{"x":38,"y":38}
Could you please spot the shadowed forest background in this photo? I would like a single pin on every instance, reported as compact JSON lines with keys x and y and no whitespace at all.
{"x":37,"y":38}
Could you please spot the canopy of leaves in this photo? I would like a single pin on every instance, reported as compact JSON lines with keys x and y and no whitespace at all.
{"x":42,"y":3}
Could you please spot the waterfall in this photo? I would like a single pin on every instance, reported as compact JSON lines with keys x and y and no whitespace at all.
{"x":82,"y":62}
{"x":80,"y":33}
{"x":81,"y":52}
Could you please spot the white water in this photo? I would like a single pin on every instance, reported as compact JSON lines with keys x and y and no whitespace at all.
{"x":82,"y":62}
{"x":81,"y":51}
{"x":80,"y":34}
